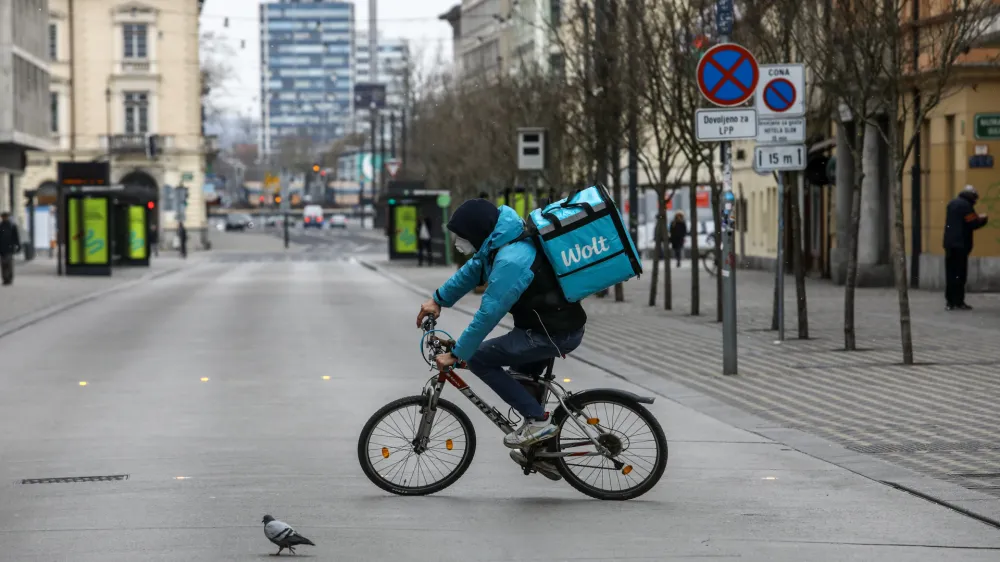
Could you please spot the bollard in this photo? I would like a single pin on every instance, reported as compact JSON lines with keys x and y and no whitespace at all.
{"x":285,"y":223}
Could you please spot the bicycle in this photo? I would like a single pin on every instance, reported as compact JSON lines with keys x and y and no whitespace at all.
{"x":577,"y":419}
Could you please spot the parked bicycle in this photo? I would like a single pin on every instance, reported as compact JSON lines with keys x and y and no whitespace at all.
{"x":607,"y":446}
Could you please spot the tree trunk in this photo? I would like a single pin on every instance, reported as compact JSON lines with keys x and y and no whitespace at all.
{"x":899,"y":242}
{"x":616,"y":181}
{"x":668,"y":287}
{"x":797,"y":265}
{"x":850,"y":339}
{"x":693,"y":198}
{"x":717,"y":249}
{"x":657,"y":248}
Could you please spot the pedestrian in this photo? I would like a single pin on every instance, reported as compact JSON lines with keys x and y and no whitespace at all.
{"x":424,"y":241}
{"x":154,"y":239}
{"x":183,"y":235}
{"x":678,"y":232}
{"x":10,"y":244}
{"x":961,"y":220}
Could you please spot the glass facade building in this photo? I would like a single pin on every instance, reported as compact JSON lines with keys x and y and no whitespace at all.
{"x":307,"y":77}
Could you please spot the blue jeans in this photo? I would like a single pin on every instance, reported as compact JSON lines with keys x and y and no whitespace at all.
{"x":528,"y":351}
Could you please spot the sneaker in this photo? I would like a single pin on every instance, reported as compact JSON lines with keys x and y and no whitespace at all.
{"x":545,"y":468}
{"x":533,"y":431}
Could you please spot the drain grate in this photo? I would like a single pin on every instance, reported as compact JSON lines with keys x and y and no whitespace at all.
{"x":75,"y":479}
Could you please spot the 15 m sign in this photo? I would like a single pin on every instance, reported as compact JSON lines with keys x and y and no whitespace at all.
{"x":780,"y":158}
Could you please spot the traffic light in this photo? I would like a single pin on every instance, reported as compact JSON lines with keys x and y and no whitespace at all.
{"x":262,"y":199}
{"x":323,"y":173}
{"x":315,"y":167}
{"x":392,"y":201}
{"x":151,"y":205}
{"x":277,"y":199}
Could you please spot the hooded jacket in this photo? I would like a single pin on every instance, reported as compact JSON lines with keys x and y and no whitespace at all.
{"x":512,"y":285}
{"x":961,"y":220}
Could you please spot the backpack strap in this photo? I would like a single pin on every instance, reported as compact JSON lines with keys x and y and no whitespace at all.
{"x":530,"y":232}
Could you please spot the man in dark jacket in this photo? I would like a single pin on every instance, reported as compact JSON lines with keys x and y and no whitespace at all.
{"x":519,"y":281}
{"x":10,"y":244}
{"x":960,"y":222}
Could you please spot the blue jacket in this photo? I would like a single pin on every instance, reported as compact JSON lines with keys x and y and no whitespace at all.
{"x":507,"y":279}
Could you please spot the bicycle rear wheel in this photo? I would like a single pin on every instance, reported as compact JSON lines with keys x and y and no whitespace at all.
{"x":389,"y":457}
{"x":634,"y":436}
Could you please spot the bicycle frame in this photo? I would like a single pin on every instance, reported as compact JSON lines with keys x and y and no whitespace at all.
{"x":434,"y":387}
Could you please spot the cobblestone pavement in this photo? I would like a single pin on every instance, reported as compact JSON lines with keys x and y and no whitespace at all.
{"x":940,"y":417}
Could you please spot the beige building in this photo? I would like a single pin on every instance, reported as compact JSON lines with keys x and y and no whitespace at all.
{"x":126,"y":87}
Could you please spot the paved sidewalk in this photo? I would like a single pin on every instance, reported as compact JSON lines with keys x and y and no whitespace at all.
{"x":37,"y":288}
{"x":940,"y":417}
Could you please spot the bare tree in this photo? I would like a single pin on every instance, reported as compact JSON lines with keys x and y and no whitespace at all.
{"x":859,"y":52}
{"x":660,"y":151}
{"x":768,"y":28}
{"x":215,"y":53}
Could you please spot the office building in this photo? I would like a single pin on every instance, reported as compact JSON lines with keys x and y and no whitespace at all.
{"x":126,"y":87}
{"x":24,"y":93}
{"x":306,"y":71}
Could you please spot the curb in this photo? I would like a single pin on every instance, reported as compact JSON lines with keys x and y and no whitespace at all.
{"x":964,"y":501}
{"x":25,"y":320}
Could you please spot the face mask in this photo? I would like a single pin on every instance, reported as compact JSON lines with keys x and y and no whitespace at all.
{"x":464,"y":246}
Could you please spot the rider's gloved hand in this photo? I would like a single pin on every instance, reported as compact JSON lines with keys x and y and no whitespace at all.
{"x":429,"y":308}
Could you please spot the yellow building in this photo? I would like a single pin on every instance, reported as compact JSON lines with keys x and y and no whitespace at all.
{"x":960,"y":140}
{"x":126,"y":87}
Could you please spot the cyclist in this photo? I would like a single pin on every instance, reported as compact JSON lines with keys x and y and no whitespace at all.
{"x":519,"y":280}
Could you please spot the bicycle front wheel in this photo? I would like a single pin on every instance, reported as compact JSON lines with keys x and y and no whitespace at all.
{"x":631,"y":433}
{"x":389,"y":456}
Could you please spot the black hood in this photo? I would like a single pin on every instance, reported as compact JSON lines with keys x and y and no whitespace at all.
{"x":970,"y":196}
{"x":474,"y":220}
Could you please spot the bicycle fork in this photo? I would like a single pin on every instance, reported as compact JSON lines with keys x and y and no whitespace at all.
{"x":431,"y":393}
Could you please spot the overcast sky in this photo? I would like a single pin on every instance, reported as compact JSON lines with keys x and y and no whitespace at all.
{"x":415,"y":20}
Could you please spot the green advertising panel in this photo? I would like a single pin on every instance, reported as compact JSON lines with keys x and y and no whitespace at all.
{"x":95,"y":224}
{"x":75,"y":234}
{"x":137,"y":232}
{"x":406,"y":229}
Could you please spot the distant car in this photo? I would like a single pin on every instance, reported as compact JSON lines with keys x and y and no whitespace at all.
{"x":239,"y":222}
{"x":312,"y":216}
{"x":338,"y":221}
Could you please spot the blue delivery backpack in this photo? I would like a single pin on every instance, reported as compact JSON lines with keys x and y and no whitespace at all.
{"x":586,"y":242}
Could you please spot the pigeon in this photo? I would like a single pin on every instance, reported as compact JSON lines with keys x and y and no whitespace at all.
{"x":283,"y":535}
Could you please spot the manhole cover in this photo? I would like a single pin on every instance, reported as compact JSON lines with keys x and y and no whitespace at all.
{"x":75,"y":479}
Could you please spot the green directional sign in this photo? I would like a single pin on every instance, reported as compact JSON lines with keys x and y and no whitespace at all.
{"x":987,"y":126}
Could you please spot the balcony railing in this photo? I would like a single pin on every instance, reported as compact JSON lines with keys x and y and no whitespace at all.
{"x":136,"y":143}
{"x":128,"y":143}
{"x":136,"y":66}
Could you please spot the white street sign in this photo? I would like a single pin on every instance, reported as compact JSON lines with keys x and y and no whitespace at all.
{"x":392,"y":166}
{"x":781,"y":91}
{"x":725,"y":124}
{"x":779,"y":158}
{"x":781,"y":131}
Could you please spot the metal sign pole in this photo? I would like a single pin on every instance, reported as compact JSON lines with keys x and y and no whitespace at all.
{"x":729,"y":344}
{"x":780,"y":266}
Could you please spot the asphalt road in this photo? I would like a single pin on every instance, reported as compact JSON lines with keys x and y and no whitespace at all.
{"x":206,"y":388}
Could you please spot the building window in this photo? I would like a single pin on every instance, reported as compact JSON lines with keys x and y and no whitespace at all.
{"x":555,"y":12}
{"x":136,"y":112}
{"x":741,"y":155}
{"x":135,"y":40}
{"x":53,"y":42}
{"x":54,"y":111}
